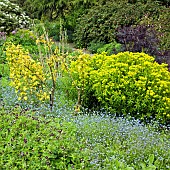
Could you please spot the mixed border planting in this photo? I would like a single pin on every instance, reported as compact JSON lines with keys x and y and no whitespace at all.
{"x":61,"y":108}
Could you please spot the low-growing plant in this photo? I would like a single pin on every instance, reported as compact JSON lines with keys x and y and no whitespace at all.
{"x":99,"y":47}
{"x":120,"y":143}
{"x":111,"y":48}
{"x":126,"y":83}
{"x":30,"y":142}
{"x":94,"y":46}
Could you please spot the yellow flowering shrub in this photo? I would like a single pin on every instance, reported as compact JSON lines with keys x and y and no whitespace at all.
{"x":27,"y":76}
{"x":128,"y":83}
{"x":34,"y":74}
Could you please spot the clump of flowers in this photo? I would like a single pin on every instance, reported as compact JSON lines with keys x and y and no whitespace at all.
{"x":126,"y":83}
{"x":27,"y":75}
{"x":12,"y":17}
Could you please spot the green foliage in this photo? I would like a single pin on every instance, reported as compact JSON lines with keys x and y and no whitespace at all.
{"x":4,"y":70}
{"x":81,"y":142}
{"x":51,"y":9}
{"x":99,"y":47}
{"x":28,"y":39}
{"x":101,"y":22}
{"x":30,"y":142}
{"x":51,"y":27}
{"x":2,"y":55}
{"x":24,"y":37}
{"x":126,"y":83}
{"x":94,"y":46}
{"x":12,"y":17}
{"x":64,"y":85}
{"x":161,"y":25}
{"x":119,"y":143}
{"x":111,"y":48}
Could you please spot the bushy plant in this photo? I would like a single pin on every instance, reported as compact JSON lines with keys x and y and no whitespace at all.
{"x":143,"y":38}
{"x":161,"y":25}
{"x":126,"y":83}
{"x":24,"y":37}
{"x":94,"y":46}
{"x":101,"y":22}
{"x":111,"y":48}
{"x":27,"y":75}
{"x":139,"y":38}
{"x":2,"y":41}
{"x":35,"y":78}
{"x":12,"y":17}
{"x":51,"y":27}
{"x":4,"y":70}
{"x":99,"y":47}
{"x":30,"y":142}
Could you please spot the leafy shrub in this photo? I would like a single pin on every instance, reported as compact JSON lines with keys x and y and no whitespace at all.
{"x":30,"y":142}
{"x":52,"y":28}
{"x":128,"y":83}
{"x":94,"y":46}
{"x":101,"y":22}
{"x":111,"y":48}
{"x":24,"y":37}
{"x":142,"y":38}
{"x":139,"y":38}
{"x":161,"y":25}
{"x":27,"y":75}
{"x":2,"y":41}
{"x":4,"y":70}
{"x":12,"y":17}
{"x":99,"y":47}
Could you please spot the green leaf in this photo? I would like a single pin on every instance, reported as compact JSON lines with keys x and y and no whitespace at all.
{"x":151,"y":159}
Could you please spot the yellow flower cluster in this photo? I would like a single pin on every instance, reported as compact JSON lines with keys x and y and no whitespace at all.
{"x":26,"y":75}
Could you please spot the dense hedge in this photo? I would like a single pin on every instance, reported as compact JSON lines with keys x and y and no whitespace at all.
{"x":101,"y":22}
{"x":126,"y":83}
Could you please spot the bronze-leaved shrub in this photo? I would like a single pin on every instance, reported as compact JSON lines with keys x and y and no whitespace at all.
{"x":126,"y":83}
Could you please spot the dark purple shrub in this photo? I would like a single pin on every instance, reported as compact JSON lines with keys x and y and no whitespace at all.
{"x":142,"y":38}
